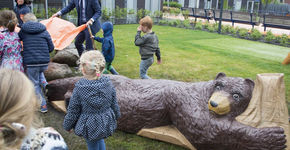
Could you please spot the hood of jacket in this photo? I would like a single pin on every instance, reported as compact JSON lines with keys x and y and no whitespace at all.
{"x":33,"y":27}
{"x":107,"y":28}
{"x":93,"y":89}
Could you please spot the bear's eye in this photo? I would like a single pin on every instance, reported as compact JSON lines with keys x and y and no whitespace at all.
{"x":218,"y":87}
{"x":236,"y":96}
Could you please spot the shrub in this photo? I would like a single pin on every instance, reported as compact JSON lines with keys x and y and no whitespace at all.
{"x":141,"y":13}
{"x":73,"y":13}
{"x":186,"y":23}
{"x":255,"y":35}
{"x":283,"y":40}
{"x":226,"y":29}
{"x":106,"y":14}
{"x":198,"y":25}
{"x":172,"y":4}
{"x":232,"y":30}
{"x":270,"y":37}
{"x":52,"y":11}
{"x":211,"y":28}
{"x":171,"y":23}
{"x":163,"y":22}
{"x":177,"y":12}
{"x":178,"y":23}
{"x":158,"y":14}
{"x":131,"y":11}
{"x":243,"y":33}
{"x":185,"y":14}
{"x":206,"y":25}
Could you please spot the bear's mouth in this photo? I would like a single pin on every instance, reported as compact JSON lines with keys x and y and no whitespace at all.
{"x":219,"y":103}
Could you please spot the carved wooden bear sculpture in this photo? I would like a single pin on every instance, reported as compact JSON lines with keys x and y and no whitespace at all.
{"x":203,"y":112}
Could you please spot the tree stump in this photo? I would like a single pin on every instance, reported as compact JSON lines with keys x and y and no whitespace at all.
{"x":268,"y":107}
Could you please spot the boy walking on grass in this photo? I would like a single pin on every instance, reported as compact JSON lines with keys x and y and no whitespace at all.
{"x":37,"y":45}
{"x":148,"y":46}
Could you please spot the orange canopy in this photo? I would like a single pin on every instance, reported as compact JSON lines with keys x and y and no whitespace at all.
{"x":61,"y":31}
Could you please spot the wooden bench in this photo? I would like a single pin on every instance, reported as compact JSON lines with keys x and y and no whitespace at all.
{"x":276,"y":21}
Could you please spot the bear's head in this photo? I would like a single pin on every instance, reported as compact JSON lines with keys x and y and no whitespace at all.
{"x":231,"y":95}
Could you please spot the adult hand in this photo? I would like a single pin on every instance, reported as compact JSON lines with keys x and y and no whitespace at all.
{"x":139,"y":28}
{"x":90,"y":22}
{"x":55,"y":15}
{"x":159,"y":61}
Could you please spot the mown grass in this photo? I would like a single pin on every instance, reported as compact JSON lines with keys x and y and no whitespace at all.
{"x":187,"y":55}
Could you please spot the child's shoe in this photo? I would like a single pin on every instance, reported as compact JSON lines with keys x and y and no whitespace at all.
{"x":43,"y":109}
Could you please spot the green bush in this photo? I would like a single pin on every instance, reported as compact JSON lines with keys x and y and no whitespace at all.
{"x":163,"y":22}
{"x":255,"y":35}
{"x":172,"y":4}
{"x":243,"y":33}
{"x":131,"y":11}
{"x":158,"y":14}
{"x":185,"y":14}
{"x":39,"y":13}
{"x":283,"y":40}
{"x":226,"y":29}
{"x":178,"y":23}
{"x":177,"y":12}
{"x":52,"y":11}
{"x":4,"y":9}
{"x":233,"y":30}
{"x":198,"y":25}
{"x":270,"y":37}
{"x":211,"y":28}
{"x":120,"y":12}
{"x":186,"y":23}
{"x":206,"y":25}
{"x":170,"y":23}
{"x":141,"y":13}
{"x":106,"y":14}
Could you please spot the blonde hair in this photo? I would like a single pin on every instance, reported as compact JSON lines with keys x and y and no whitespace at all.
{"x":8,"y":19}
{"x":92,"y":64}
{"x":18,"y":104}
{"x":147,"y":22}
{"x":29,"y":17}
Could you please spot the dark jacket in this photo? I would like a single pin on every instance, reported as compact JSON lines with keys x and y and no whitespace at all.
{"x":93,"y":109}
{"x":148,"y":45}
{"x":108,"y":47}
{"x":93,"y":10}
{"x":21,"y":9}
{"x":37,"y":43}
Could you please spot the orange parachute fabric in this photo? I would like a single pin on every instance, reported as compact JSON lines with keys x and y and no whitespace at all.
{"x":61,"y":31}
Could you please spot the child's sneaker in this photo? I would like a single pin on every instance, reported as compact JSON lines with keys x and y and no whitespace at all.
{"x":43,"y":109}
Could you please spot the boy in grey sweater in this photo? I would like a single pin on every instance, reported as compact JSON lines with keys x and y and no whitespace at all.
{"x":148,"y":46}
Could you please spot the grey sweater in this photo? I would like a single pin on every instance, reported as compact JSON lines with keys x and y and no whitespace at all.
{"x":148,"y":45}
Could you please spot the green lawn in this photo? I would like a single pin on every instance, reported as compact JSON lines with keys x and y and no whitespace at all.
{"x":187,"y":55}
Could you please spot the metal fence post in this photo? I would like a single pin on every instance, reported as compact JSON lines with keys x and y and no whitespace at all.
{"x":221,"y":16}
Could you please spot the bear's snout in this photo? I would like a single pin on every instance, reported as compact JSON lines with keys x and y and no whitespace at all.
{"x":219,"y":103}
{"x":213,"y":104}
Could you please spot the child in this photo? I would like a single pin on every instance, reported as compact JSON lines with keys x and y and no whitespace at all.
{"x":18,"y":120}
{"x":20,"y":10}
{"x":37,"y":45}
{"x":148,"y":46}
{"x":108,"y":47}
{"x":93,"y":108}
{"x":10,"y":46}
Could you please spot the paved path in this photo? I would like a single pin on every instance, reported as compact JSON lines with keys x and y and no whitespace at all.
{"x":275,"y":31}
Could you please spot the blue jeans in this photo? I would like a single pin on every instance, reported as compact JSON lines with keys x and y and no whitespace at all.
{"x":96,"y":145}
{"x":144,"y":66}
{"x":35,"y":75}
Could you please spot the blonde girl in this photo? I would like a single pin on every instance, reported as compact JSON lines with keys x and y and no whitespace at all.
{"x":93,"y":108}
{"x":18,"y":121}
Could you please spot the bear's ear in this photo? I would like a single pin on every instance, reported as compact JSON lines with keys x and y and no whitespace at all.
{"x":220,"y":75}
{"x":251,"y":83}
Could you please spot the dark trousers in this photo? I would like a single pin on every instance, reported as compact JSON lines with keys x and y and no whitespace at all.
{"x":81,"y":37}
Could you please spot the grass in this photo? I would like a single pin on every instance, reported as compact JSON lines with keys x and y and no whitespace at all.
{"x":187,"y":55}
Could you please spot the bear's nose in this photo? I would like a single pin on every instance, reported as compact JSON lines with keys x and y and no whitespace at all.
{"x":213,"y":104}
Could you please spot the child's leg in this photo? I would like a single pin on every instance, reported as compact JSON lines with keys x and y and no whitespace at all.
{"x":43,"y":81}
{"x":110,"y":68}
{"x":102,"y":145}
{"x":96,"y":145}
{"x":33,"y":74}
{"x":144,"y":66}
